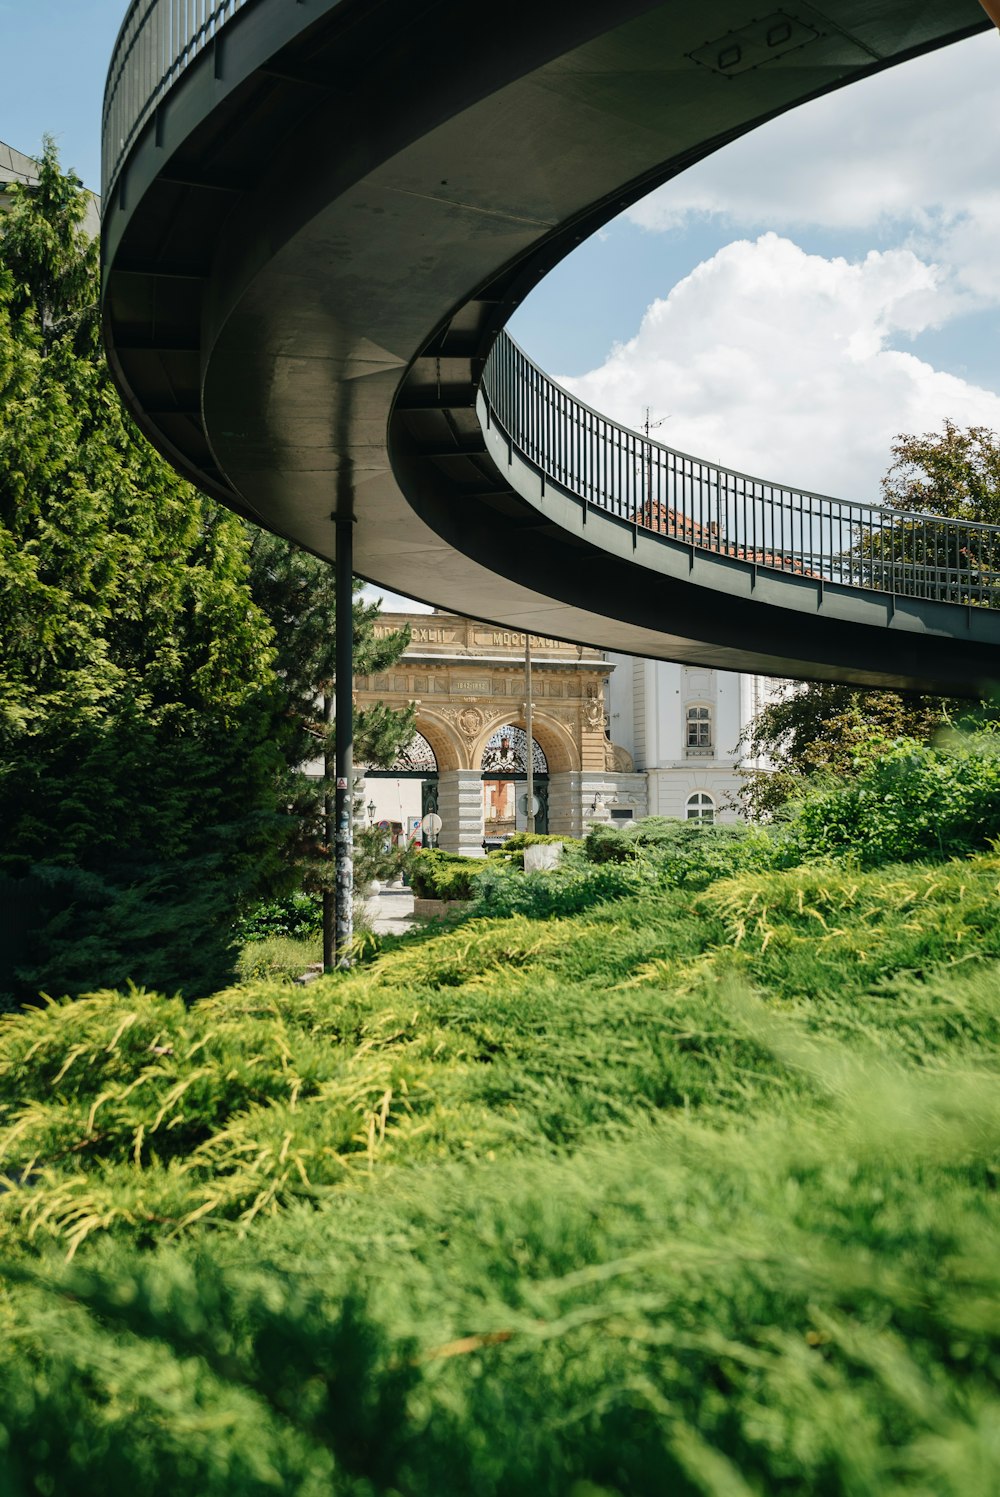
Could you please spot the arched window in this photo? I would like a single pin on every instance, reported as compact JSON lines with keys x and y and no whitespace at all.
{"x":699,"y":730}
{"x":700,"y":807}
{"x":417,"y":758}
{"x":506,"y":754}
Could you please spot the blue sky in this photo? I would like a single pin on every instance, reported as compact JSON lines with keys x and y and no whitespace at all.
{"x":55,"y":60}
{"x":796,"y":301}
{"x":790,"y":305}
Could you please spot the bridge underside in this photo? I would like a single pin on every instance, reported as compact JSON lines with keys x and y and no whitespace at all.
{"x":313,"y":243}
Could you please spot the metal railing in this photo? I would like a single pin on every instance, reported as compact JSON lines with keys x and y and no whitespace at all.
{"x":714,"y":509}
{"x":158,"y":39}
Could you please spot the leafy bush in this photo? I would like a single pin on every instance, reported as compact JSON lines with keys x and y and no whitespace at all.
{"x":568,"y":889}
{"x":444,"y":875}
{"x":688,"y":854}
{"x":297,"y":916}
{"x":914,"y":802}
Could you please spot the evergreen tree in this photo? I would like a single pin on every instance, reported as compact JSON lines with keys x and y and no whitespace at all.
{"x":140,"y":725}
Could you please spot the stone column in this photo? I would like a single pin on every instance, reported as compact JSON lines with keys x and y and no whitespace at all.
{"x":460,"y":806}
{"x":564,"y":804}
{"x":600,"y":788}
{"x":571,"y":799}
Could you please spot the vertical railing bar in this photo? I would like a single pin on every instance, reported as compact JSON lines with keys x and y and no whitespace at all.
{"x":631,"y":476}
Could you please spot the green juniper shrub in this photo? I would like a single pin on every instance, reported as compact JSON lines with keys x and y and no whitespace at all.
{"x":694,"y":1191}
{"x":444,"y":875}
{"x":800,"y":1304}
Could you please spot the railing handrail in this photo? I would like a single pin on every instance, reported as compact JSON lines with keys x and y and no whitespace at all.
{"x":770,"y":483}
{"x":719,"y":510}
{"x":178,"y":31}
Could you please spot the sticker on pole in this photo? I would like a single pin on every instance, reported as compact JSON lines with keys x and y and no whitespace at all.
{"x":341,"y":782}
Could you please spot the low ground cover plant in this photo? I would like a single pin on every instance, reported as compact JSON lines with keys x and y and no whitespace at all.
{"x":691,"y":1190}
{"x":278,"y":956}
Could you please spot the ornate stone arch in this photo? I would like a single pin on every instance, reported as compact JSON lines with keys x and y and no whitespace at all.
{"x":450,"y":748}
{"x":555,"y":739}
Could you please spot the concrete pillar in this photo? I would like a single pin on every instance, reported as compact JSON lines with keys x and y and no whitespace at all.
{"x":460,"y":806}
{"x":564,"y":804}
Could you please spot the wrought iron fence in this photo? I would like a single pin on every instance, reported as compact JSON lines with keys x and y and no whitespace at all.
{"x":158,"y":39}
{"x":710,"y":508}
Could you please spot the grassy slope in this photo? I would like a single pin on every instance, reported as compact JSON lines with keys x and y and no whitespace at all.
{"x":687,"y":1195}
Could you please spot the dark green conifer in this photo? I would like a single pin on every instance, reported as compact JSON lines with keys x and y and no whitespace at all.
{"x":139,"y":718}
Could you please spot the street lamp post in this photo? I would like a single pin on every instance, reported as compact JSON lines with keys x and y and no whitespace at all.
{"x":371,"y":813}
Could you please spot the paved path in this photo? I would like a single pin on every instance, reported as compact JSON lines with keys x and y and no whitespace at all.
{"x":391,"y":911}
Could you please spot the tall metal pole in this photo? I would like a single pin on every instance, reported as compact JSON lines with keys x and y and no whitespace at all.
{"x":530,"y":759}
{"x":329,"y":834}
{"x":344,"y":744}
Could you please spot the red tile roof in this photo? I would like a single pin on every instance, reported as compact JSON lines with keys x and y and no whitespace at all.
{"x":681,"y":527}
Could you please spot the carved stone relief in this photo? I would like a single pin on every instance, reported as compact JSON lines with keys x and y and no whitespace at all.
{"x":593,"y":709}
{"x":470,"y":721}
{"x":618,"y":759}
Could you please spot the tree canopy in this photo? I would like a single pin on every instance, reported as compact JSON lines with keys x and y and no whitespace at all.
{"x":822,"y":728}
{"x":954,"y":473}
{"x":140,"y":721}
{"x":162,"y":664}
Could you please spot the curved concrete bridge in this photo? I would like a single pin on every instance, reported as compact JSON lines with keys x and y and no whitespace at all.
{"x":320,"y":213}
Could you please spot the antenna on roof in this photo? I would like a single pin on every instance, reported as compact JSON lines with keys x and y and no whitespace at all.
{"x":649,"y":424}
{"x":646,"y":462}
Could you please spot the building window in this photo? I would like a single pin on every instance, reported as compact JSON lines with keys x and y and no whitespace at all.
{"x":699,"y":731}
{"x":700,"y":807}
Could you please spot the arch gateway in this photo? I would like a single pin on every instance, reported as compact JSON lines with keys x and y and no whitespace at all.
{"x":467,"y":682}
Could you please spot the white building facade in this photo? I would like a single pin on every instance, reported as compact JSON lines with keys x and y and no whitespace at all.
{"x":682,"y":726}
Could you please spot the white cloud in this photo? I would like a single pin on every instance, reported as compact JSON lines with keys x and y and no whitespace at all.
{"x":910,"y":152}
{"x":775,"y":362}
{"x":392,"y":602}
